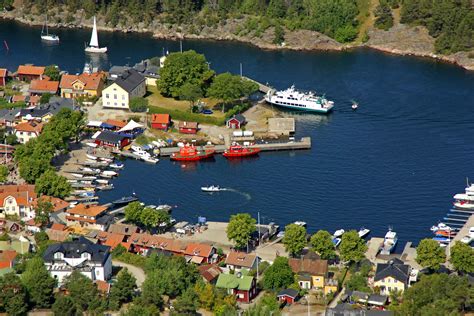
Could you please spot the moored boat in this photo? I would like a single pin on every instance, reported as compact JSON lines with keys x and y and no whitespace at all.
{"x":389,"y":242}
{"x":237,"y":151}
{"x":94,"y":42}
{"x":297,"y":100}
{"x":190,"y":153}
{"x":117,"y":165}
{"x":91,"y":157}
{"x":336,"y":241}
{"x":465,"y":201}
{"x":363,"y":232}
{"x":125,"y":200}
{"x":339,"y":233}
{"x":440,"y":227}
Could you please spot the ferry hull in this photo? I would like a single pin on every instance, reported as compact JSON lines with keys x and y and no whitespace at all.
{"x":300,"y":109}
{"x":178,"y":157}
{"x":241,"y":154}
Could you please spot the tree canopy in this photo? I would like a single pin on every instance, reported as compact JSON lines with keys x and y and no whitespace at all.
{"x":429,"y":254}
{"x":123,"y":290}
{"x":321,"y":242}
{"x":38,"y":283}
{"x":52,"y":184}
{"x":352,"y":247}
{"x":138,"y":104}
{"x":144,"y":216}
{"x":228,"y":87}
{"x":462,"y":257}
{"x":13,"y":296}
{"x":294,"y":239}
{"x":52,"y":71}
{"x":240,"y":228}
{"x":279,"y":275}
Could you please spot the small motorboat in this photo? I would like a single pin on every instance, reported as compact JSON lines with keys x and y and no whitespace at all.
{"x":445,"y":233}
{"x":150,"y":159}
{"x":109,"y":160}
{"x":363,"y":232}
{"x":77,"y":175}
{"x":466,"y":239}
{"x":102,"y":181}
{"x":336,"y":241}
{"x":442,"y":239}
{"x":354,"y":106}
{"x":108,"y":173}
{"x":440,"y":226}
{"x":212,"y":188}
{"x":338,"y":233}
{"x":117,"y":165}
{"x":91,"y":157}
{"x":125,"y":200}
{"x":105,"y":187}
{"x":300,"y":223}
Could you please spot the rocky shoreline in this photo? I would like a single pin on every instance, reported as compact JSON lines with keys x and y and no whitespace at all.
{"x":400,"y":40}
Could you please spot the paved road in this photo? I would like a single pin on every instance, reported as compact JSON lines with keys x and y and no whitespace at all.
{"x":137,"y":272}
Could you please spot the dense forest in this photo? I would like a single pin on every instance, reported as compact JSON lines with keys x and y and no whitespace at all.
{"x":451,"y":22}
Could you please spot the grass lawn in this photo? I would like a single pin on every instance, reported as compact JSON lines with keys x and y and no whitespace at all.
{"x":180,"y":110}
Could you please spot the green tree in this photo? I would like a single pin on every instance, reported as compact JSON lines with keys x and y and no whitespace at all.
{"x":294,"y":239}
{"x":227,"y":88}
{"x":383,"y":16}
{"x":278,"y":35}
{"x":207,"y":295}
{"x":3,"y":173}
{"x":187,"y":303}
{"x":241,"y":227}
{"x":133,"y":211}
{"x":190,"y":92}
{"x":321,"y":242}
{"x":352,"y":247}
{"x":279,"y":275}
{"x":13,"y":297}
{"x":152,"y":290}
{"x":65,"y":306}
{"x":137,"y":309}
{"x":52,"y":71}
{"x":436,"y":294}
{"x":83,"y":292}
{"x":45,"y":98}
{"x":429,"y":254}
{"x":268,"y":305}
{"x":462,"y":257}
{"x":50,"y":183}
{"x":181,"y":68}
{"x":358,"y":282}
{"x":276,"y":8}
{"x":11,"y":139}
{"x":123,"y":290}
{"x":42,"y":210}
{"x":38,"y":283}
{"x":138,"y":104}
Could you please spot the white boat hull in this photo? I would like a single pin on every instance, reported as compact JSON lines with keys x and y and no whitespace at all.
{"x":98,"y":50}
{"x":50,"y":38}
{"x":302,"y":109}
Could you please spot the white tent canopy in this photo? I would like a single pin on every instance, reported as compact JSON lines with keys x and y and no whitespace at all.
{"x":96,"y":134}
{"x":130,"y":126}
{"x":94,"y":123}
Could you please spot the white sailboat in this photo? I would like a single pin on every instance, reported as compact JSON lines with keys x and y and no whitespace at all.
{"x":94,"y":43}
{"x":45,"y":36}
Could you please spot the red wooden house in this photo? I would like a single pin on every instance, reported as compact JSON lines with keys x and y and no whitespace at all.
{"x":236,"y":121}
{"x":242,"y":286}
{"x":287,"y":296}
{"x":160,"y":121}
{"x":188,"y":127}
{"x":111,"y":139}
{"x":3,"y":76}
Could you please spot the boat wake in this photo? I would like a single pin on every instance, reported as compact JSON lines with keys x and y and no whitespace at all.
{"x":247,"y":196}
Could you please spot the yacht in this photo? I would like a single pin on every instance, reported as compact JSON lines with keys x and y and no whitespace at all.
{"x":46,"y":36}
{"x":389,"y":242}
{"x":465,"y":201}
{"x":338,"y":233}
{"x":297,"y":100}
{"x":440,"y":227}
{"x":94,"y":42}
{"x":363,"y":232}
{"x":212,"y":188}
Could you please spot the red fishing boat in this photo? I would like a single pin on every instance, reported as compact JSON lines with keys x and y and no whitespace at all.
{"x":191,"y":153}
{"x":237,"y":151}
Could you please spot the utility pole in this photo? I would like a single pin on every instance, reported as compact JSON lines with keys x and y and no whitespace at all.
{"x":181,"y":45}
{"x":240,"y":69}
{"x":256,"y":253}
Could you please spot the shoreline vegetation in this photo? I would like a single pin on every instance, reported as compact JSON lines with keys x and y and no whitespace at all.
{"x":379,"y":27}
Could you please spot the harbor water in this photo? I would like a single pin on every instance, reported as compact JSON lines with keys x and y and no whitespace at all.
{"x":396,"y":161}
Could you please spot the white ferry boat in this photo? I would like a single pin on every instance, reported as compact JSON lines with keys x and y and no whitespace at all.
{"x":465,"y":201}
{"x":297,"y":100}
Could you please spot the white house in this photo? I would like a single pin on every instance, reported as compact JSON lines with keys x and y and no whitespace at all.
{"x":27,"y":130}
{"x":17,"y":201}
{"x":129,"y":85}
{"x":92,"y":260}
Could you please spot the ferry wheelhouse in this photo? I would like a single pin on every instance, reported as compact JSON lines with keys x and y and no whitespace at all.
{"x":300,"y":101}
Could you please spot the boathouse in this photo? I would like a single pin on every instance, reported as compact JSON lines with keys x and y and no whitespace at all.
{"x":29,"y":72}
{"x":111,"y":139}
{"x":160,"y":121}
{"x":188,"y":127}
{"x":236,"y":121}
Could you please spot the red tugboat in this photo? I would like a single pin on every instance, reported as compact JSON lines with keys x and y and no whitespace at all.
{"x":237,"y":151}
{"x":190,"y":153}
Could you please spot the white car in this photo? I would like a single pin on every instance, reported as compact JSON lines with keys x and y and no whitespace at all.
{"x":471,"y":232}
{"x":466,"y":239}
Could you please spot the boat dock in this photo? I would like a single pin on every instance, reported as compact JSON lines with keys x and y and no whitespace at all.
{"x":464,"y":230}
{"x":264,"y":88}
{"x":304,"y":143}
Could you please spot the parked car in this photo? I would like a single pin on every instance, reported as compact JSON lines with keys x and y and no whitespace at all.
{"x":207,"y":112}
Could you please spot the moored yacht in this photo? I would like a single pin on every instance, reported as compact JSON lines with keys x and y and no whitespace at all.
{"x":297,"y":100}
{"x":389,"y":242}
{"x":465,"y":201}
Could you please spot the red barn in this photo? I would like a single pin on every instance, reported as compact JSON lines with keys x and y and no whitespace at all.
{"x":188,"y":127}
{"x":288,"y":296}
{"x":160,"y":121}
{"x":236,"y":121}
{"x":111,"y":139}
{"x":3,"y":76}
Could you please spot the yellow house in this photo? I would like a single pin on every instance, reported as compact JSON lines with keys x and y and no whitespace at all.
{"x":313,"y":274}
{"x":390,"y":276}
{"x":84,"y":85}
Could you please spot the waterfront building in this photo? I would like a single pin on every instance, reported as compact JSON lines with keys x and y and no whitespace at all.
{"x":92,"y":260}
{"x":313,"y":274}
{"x":188,"y":127}
{"x":160,"y":121}
{"x":124,"y":229}
{"x":200,"y":253}
{"x":112,"y":240}
{"x":115,"y":124}
{"x":237,"y":261}
{"x":393,"y":275}
{"x":111,"y":139}
{"x":129,"y":85}
{"x":40,"y":87}
{"x":89,"y":216}
{"x":242,"y":286}
{"x":27,"y":130}
{"x":236,"y":121}
{"x":84,"y":85}
{"x":287,"y":296}
{"x":3,"y":76}
{"x":30,"y":72}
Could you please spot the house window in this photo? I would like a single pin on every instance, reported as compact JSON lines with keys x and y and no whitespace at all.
{"x":115,"y":103}
{"x":388,"y":280}
{"x":58,"y":255}
{"x":123,"y":104}
{"x":107,"y":96}
{"x":317,"y":279}
{"x":123,"y":97}
{"x":389,"y":288}
{"x":115,"y":97}
{"x":108,"y":103}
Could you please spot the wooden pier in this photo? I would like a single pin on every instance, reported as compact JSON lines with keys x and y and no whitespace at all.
{"x":261,"y":87}
{"x":463,"y":231}
{"x":304,"y":143}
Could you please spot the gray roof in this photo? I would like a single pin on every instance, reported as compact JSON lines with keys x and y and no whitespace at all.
{"x":117,"y":70}
{"x":75,"y":248}
{"x":110,"y":137}
{"x":122,"y":229}
{"x":395,"y":268}
{"x":345,"y":309}
{"x":11,"y":115}
{"x":288,"y":292}
{"x":129,"y":80}
{"x":239,"y":117}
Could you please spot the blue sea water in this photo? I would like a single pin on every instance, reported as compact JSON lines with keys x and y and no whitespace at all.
{"x":396,"y":162}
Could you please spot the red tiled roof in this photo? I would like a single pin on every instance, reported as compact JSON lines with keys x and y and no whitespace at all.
{"x":90,"y":81}
{"x":201,"y":250}
{"x":58,"y":226}
{"x":30,"y":70}
{"x":116,"y":123}
{"x":160,"y":118}
{"x":58,"y":204}
{"x":29,"y":127}
{"x":313,"y":267}
{"x":12,"y":188}
{"x":44,"y":86}
{"x":32,"y":222}
{"x":3,"y":72}
{"x":241,"y":259}
{"x":21,"y":198}
{"x":34,"y":99}
{"x":102,"y":286}
{"x":184,"y":124}
{"x":209,"y":272}
{"x":87,"y":210}
{"x":18,"y":98}
{"x":7,"y":257}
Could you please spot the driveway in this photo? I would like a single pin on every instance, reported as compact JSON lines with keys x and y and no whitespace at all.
{"x":137,"y":272}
